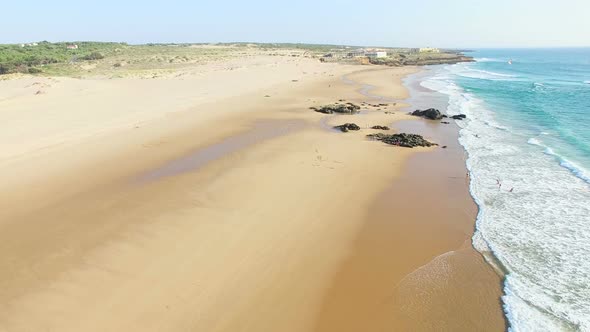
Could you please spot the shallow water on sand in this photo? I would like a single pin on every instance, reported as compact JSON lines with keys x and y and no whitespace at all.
{"x":260,"y":131}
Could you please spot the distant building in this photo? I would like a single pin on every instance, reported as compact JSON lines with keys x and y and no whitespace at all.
{"x":72,"y":47}
{"x":429,"y":50}
{"x":371,"y":53}
{"x":378,"y":54}
{"x":357,"y":53}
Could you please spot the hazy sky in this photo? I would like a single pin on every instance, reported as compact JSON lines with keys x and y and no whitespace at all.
{"x":441,"y":23}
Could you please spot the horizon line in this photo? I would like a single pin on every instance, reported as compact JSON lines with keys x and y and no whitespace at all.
{"x":301,"y":43}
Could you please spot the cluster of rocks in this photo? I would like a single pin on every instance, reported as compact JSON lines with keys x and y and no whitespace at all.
{"x":353,"y":126}
{"x":376,"y":105}
{"x":347,"y":126}
{"x":348,"y":108}
{"x":403,"y":139}
{"x":434,"y":114}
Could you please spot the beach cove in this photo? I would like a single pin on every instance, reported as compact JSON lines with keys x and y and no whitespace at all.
{"x":218,"y":201}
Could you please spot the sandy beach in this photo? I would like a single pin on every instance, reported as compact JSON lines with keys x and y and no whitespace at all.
{"x":217,"y":200}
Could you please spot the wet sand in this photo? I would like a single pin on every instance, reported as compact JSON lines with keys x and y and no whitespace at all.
{"x":434,"y":280}
{"x":251,"y":216}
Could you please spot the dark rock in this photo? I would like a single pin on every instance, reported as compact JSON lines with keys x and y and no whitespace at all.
{"x":380,"y":127}
{"x":348,"y":108}
{"x":445,"y":122}
{"x":403,"y":139}
{"x":444,"y":146}
{"x":431,"y":113}
{"x":459,"y":117}
{"x":347,"y":126}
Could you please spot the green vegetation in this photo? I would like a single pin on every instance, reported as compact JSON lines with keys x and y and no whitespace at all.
{"x":115,"y":60}
{"x":314,"y":48}
{"x":105,"y":59}
{"x":30,"y":58}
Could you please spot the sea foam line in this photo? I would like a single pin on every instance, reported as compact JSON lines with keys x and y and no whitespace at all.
{"x":574,"y":168}
{"x":528,"y":301}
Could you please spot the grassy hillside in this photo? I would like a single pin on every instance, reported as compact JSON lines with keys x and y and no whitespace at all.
{"x":92,"y":58}
{"x":30,"y":58}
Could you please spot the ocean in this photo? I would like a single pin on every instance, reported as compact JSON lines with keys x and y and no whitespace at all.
{"x":527,"y":138}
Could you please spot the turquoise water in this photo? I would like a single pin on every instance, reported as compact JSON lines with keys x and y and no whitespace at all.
{"x":528,"y":143}
{"x":544,"y":92}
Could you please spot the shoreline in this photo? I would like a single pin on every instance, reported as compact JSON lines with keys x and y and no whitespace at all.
{"x":236,"y":226}
{"x":456,"y":302}
{"x":522,"y":168}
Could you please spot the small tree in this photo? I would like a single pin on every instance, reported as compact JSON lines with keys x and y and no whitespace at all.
{"x":94,"y":56}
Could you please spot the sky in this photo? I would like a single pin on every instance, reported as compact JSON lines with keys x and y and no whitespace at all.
{"x":407,"y":23}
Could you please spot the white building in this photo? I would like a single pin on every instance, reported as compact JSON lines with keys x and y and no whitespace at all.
{"x":377,"y":54}
{"x":429,"y":50}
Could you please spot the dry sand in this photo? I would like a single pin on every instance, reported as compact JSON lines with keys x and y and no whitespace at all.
{"x":218,"y":201}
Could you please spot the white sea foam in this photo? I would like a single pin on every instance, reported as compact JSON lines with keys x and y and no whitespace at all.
{"x":534,"y":141}
{"x":576,"y":169}
{"x":536,"y":223}
{"x":464,"y":70}
{"x":488,"y":60}
{"x":587,"y":82}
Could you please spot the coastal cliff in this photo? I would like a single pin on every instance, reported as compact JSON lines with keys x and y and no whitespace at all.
{"x":421,"y":59}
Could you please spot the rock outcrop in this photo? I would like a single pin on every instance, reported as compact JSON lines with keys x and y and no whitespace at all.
{"x":347,"y":126}
{"x":403,"y":139}
{"x":348,"y":108}
{"x":459,"y":117}
{"x":431,"y":113}
{"x":380,"y":127}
